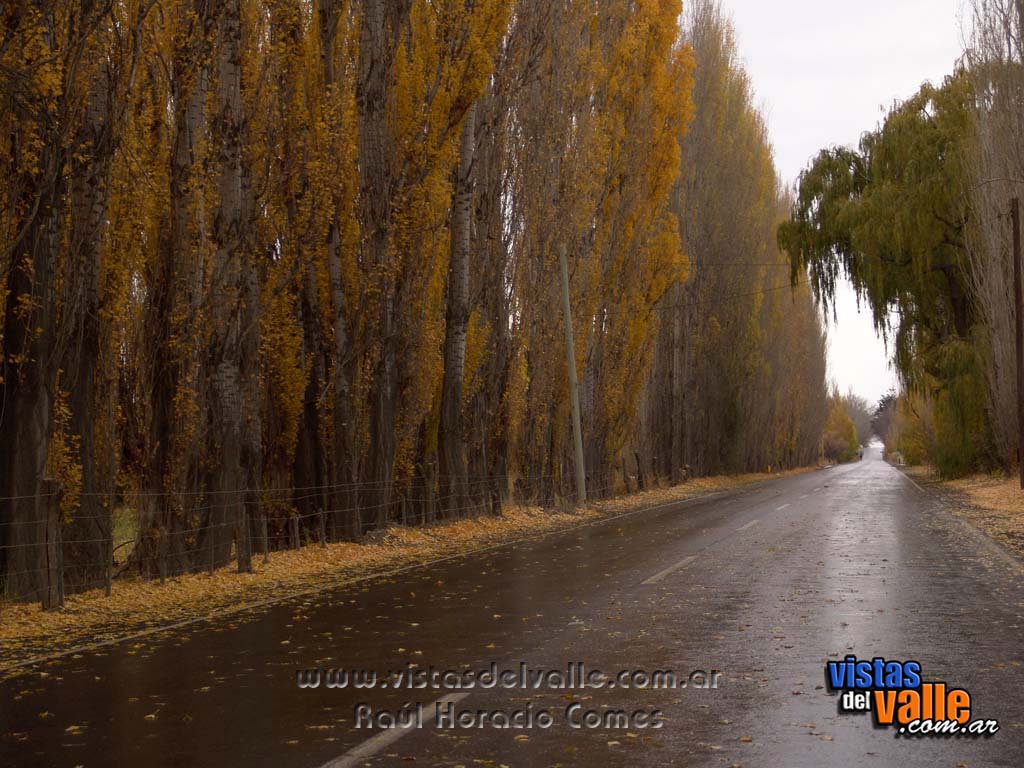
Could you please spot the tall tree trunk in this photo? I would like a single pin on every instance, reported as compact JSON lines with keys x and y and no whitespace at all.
{"x":226,"y":520}
{"x":37,"y":155}
{"x":29,"y":374}
{"x":678,"y":385}
{"x":489,"y":449}
{"x":346,"y":520}
{"x":450,"y":432}
{"x":312,"y":465}
{"x":171,"y":501}
{"x":88,"y":535}
{"x":253,"y":511}
{"x":381,"y":25}
{"x":311,"y":469}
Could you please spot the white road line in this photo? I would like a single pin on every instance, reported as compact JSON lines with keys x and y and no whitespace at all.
{"x":912,"y":481}
{"x":804,"y":496}
{"x":375,"y":744}
{"x":779,"y":509}
{"x":817,"y":489}
{"x":670,"y":570}
{"x":751,"y":524}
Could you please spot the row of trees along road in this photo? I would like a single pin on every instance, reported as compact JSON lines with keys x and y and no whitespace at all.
{"x":262,"y":258}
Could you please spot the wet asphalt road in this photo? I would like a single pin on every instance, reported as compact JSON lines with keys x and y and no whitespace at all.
{"x":764,"y":585}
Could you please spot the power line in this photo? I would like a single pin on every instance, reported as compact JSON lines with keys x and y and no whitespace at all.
{"x":711,"y":300}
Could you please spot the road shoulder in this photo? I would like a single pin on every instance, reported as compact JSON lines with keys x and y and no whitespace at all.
{"x":138,"y":608}
{"x":990,"y":504}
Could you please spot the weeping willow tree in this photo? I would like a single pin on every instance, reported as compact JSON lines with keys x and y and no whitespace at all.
{"x":892,"y":218}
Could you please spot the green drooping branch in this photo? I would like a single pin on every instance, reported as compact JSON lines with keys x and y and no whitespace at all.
{"x":890,"y":217}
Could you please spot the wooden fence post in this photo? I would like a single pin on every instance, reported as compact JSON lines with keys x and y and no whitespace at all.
{"x":162,"y":553}
{"x":266,"y":541}
{"x":53,"y":590}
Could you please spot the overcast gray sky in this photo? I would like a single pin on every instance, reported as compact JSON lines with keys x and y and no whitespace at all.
{"x":825,"y":71}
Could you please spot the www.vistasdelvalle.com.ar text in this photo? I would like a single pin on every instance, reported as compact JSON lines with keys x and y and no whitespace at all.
{"x":575,"y":675}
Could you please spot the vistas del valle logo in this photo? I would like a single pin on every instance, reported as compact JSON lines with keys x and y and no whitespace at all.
{"x":897,"y":697}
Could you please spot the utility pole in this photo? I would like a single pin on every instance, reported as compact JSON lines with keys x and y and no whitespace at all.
{"x":574,"y":392}
{"x":1018,"y":295}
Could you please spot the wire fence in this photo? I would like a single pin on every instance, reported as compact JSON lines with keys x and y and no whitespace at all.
{"x":216,"y":531}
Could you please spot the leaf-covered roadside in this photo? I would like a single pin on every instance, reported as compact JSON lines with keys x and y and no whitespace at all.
{"x":990,"y":502}
{"x":134,"y":606}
